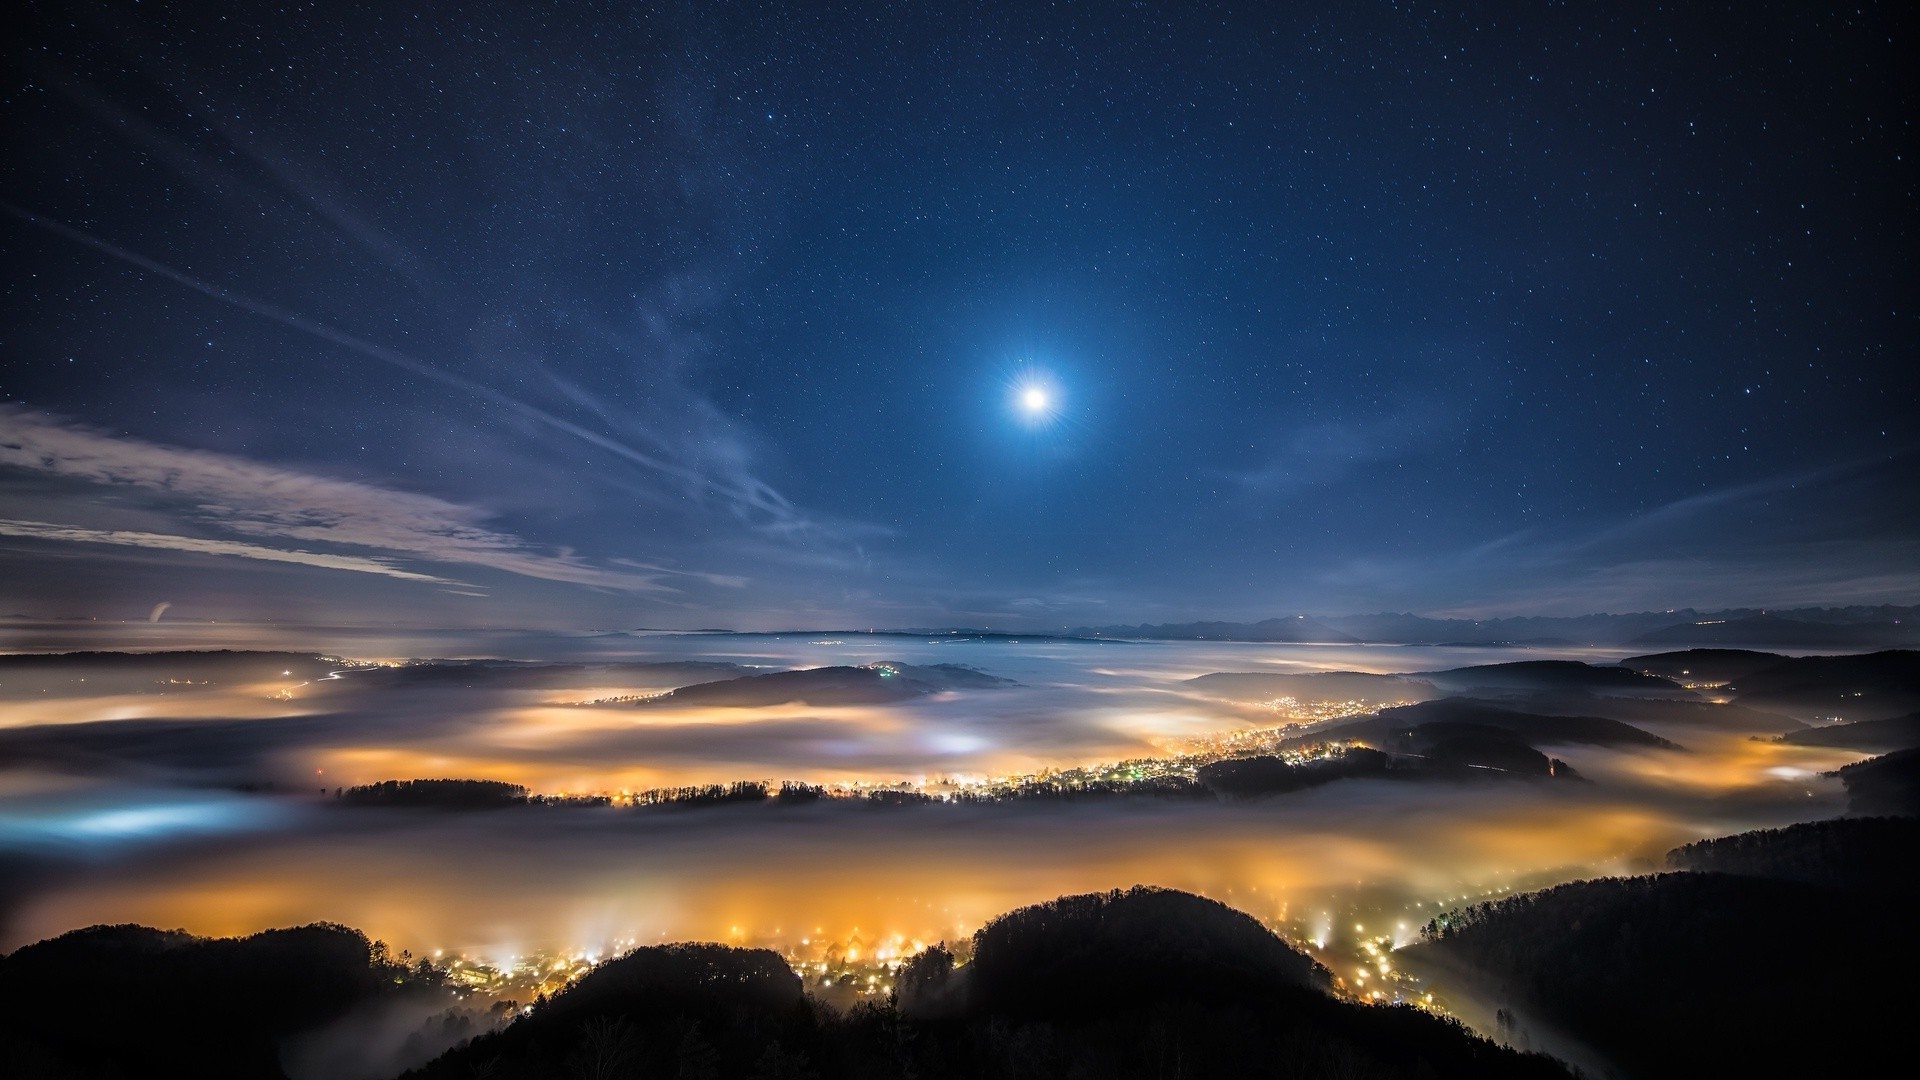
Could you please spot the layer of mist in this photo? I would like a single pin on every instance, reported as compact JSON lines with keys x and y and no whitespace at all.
{"x":204,"y":790}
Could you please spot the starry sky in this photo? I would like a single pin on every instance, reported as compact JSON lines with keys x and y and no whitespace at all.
{"x":716,"y":314}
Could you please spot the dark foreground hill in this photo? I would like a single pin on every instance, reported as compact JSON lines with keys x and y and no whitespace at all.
{"x":1776,"y":955}
{"x":128,"y":1001}
{"x":1143,"y":983}
{"x":1866,"y":855}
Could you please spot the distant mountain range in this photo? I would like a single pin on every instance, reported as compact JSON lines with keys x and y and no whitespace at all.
{"x":1811,"y":628}
{"x":1299,"y":628}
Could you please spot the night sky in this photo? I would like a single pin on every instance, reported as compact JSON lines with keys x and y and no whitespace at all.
{"x":727,"y":315}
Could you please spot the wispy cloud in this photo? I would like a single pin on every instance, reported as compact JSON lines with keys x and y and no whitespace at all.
{"x":264,"y":503}
{"x":613,"y":393}
{"x":1798,"y":537}
{"x":40,"y":530}
{"x":749,"y":497}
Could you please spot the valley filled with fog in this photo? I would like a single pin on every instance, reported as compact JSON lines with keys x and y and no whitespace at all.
{"x":199,"y":791}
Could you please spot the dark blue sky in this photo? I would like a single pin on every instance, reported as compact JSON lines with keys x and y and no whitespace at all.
{"x":715,"y":314}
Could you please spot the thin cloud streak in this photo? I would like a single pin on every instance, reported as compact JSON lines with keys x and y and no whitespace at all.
{"x":1792,"y":548}
{"x":270,"y":502}
{"x":40,"y":530}
{"x":750,"y":496}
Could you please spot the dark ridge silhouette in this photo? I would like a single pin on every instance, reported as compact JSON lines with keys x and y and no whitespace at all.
{"x":1533,"y":727}
{"x":94,"y":673}
{"x":540,"y":675}
{"x":896,"y":799}
{"x":947,"y":635}
{"x":1871,"y":686}
{"x":437,"y":794}
{"x":1390,"y":729}
{"x":112,"y":1001}
{"x":1254,"y":777}
{"x":1874,"y":736}
{"x":1688,"y":974}
{"x":752,"y":792}
{"x":1122,"y":985}
{"x":1105,"y":985}
{"x":1703,"y":665}
{"x":800,"y":793}
{"x":1125,"y":984}
{"x":1595,"y":629}
{"x":495,"y":794}
{"x":1083,"y":956}
{"x":1534,"y":675}
{"x":211,"y":750}
{"x":1314,"y":687}
{"x":1772,"y":630}
{"x":1055,"y":790}
{"x":1882,"y":786}
{"x":1418,"y":630}
{"x":660,"y":1010}
{"x":871,"y":685}
{"x":1869,"y":855}
{"x":1456,"y":747}
{"x":1637,"y":711}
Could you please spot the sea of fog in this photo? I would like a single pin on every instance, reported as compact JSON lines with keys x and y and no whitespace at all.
{"x":207,"y":807}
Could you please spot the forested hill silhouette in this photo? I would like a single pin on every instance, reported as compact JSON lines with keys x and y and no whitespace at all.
{"x":1142,"y":983}
{"x":867,"y":685}
{"x":1867,"y":855}
{"x":128,"y":1001}
{"x":1871,"y":686}
{"x":1689,"y":974}
{"x":1517,"y":677}
{"x":1254,"y":777}
{"x":1536,"y":675}
{"x":93,"y":673}
{"x":536,"y":674}
{"x":1703,"y":714}
{"x":1086,"y":956}
{"x":1535,"y":728}
{"x":1703,"y":666}
{"x":1464,"y":737}
{"x":1666,"y":975}
{"x":1888,"y":784}
{"x":438,"y":794}
{"x":684,"y":1010}
{"x":1875,"y":736}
